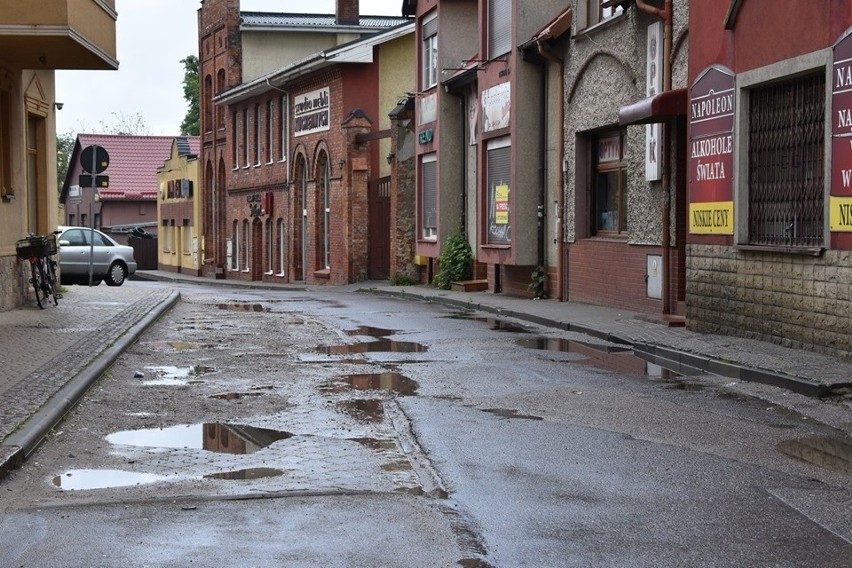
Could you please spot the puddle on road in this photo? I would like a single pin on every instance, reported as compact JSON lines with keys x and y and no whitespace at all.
{"x":494,"y":324}
{"x":392,"y":382}
{"x":235,"y":395}
{"x":209,"y":436}
{"x":510,"y":413}
{"x":370,"y":331}
{"x":249,"y":473}
{"x":620,"y":359}
{"x":243,"y":307}
{"x":376,"y":444}
{"x":385,"y":345}
{"x":830,"y":453}
{"x":78,"y":479}
{"x":168,"y":375}
{"x":363,"y":410}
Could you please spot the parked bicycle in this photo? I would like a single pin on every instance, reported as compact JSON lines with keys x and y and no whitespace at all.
{"x":39,"y":250}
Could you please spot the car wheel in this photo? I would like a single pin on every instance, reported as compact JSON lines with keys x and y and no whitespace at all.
{"x":116,"y":275}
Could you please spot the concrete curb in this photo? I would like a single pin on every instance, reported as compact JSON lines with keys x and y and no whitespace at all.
{"x":22,"y":443}
{"x":679,"y":361}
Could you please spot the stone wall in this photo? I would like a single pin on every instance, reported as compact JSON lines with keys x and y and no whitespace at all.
{"x":795,"y":301}
{"x":12,"y":283}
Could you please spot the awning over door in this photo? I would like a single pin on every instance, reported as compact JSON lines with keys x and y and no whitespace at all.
{"x":659,"y":108}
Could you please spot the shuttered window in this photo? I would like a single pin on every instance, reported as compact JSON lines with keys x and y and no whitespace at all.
{"x":499,"y":167}
{"x":429,"y":193}
{"x":499,"y":27}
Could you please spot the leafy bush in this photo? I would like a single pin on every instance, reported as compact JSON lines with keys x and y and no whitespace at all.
{"x":538,"y":286}
{"x":401,"y":280}
{"x":454,"y":263}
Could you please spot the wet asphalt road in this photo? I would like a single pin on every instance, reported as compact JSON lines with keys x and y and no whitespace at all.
{"x":325,"y":428}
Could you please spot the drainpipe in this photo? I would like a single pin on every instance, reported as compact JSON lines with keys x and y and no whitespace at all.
{"x":666,"y":15}
{"x":560,"y":152}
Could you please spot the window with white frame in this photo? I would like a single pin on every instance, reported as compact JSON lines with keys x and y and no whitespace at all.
{"x":429,"y":196}
{"x":499,"y":27}
{"x":285,"y":129}
{"x":246,"y":147}
{"x":592,"y":12}
{"x":429,"y":33}
{"x":246,"y":251}
{"x":257,"y":139}
{"x":270,"y":133}
{"x":270,"y":247}
{"x":235,"y":153}
{"x":282,"y":257}
{"x":326,"y":214}
{"x":235,"y":246}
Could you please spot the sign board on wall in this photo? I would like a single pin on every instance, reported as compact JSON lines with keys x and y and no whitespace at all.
{"x":711,"y":153}
{"x":311,"y":112}
{"x":840,"y":200}
{"x":653,"y":86}
{"x":428,"y":109}
{"x":496,"y":107}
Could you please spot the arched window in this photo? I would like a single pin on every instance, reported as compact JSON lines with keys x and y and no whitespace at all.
{"x":234,"y":246}
{"x":282,"y":249}
{"x":208,"y":103}
{"x":323,"y":216}
{"x":270,"y":247}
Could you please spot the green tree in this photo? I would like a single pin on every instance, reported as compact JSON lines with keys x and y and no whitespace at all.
{"x":191,"y":122}
{"x":64,"y":147}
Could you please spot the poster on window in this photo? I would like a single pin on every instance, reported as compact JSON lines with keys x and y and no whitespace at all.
{"x":840,"y":200}
{"x":499,"y":226}
{"x":711,"y":153}
{"x":496,"y":105}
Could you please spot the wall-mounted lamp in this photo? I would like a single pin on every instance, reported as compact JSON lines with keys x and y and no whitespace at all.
{"x":390,"y":158}
{"x":58,"y":106}
{"x":340,"y":164}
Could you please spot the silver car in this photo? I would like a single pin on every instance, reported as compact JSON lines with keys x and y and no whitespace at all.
{"x":113,"y":262}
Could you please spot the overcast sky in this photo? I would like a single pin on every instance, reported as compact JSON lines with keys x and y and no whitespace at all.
{"x":152,"y":37}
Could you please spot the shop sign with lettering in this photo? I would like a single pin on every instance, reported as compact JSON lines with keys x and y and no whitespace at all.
{"x":653,"y":86}
{"x":711,"y":153}
{"x":840,"y":201}
{"x":311,"y":112}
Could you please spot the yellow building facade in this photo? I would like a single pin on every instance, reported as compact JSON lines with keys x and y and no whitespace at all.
{"x":180,"y":245}
{"x":36,"y":38}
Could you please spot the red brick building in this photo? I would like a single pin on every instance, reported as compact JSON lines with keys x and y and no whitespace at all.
{"x":296,"y":152}
{"x":770,"y":230}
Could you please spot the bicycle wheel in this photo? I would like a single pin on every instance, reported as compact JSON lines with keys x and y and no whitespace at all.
{"x":51,"y":278}
{"x":37,"y":280}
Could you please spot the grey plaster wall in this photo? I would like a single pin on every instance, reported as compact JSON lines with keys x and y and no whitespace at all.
{"x":605,"y":69}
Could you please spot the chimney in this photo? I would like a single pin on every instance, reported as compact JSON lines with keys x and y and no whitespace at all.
{"x":347,"y":13}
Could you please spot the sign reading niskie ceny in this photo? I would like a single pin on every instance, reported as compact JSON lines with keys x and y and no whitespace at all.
{"x":711,"y":153}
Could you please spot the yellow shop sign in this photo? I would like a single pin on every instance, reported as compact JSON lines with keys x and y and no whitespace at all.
{"x":711,"y":218}
{"x":840,"y":216}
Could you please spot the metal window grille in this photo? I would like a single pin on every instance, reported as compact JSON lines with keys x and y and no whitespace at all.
{"x":786,"y":153}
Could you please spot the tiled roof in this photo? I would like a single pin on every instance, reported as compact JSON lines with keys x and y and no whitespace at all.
{"x":316,"y":21}
{"x":188,"y":145}
{"x":133,"y":162}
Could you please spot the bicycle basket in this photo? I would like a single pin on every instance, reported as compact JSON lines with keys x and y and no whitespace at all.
{"x":36,"y":246}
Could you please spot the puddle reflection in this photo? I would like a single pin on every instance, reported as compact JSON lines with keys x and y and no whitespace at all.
{"x":392,"y":382}
{"x":371,"y":331}
{"x":363,"y":410}
{"x":494,"y":324}
{"x":616,"y":358}
{"x":385,"y":345}
{"x":77,"y":479}
{"x":249,"y":473}
{"x":167,"y":375}
{"x":209,"y":436}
